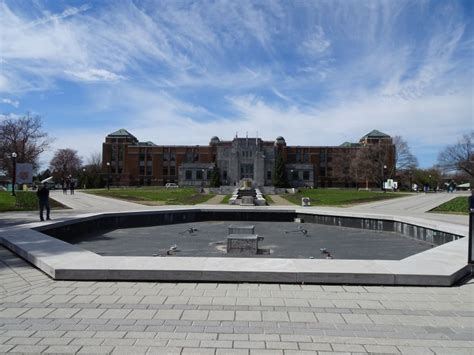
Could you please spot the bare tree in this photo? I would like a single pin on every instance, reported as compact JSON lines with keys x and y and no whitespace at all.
{"x":459,"y":156}
{"x":404,"y":159}
{"x":95,"y":159}
{"x":373,"y":163}
{"x":65,"y":162}
{"x":25,"y":137}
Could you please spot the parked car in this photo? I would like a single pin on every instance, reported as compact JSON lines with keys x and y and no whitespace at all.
{"x":171,"y":185}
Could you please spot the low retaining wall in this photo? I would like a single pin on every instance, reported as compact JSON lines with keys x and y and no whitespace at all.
{"x":106,"y":222}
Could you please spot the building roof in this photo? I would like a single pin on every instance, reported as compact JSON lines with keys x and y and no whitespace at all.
{"x":349,"y":145}
{"x":375,"y":134}
{"x":121,"y":133}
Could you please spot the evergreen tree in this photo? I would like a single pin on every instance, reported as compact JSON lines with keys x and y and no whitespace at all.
{"x":279,"y":172}
{"x":215,"y":177}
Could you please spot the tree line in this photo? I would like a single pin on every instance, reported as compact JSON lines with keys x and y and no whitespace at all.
{"x":26,"y":137}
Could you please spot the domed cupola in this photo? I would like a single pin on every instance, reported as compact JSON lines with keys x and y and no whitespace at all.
{"x":214,"y":140}
{"x":280,"y":141}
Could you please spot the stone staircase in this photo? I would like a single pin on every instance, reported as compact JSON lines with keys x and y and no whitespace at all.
{"x":247,"y":196}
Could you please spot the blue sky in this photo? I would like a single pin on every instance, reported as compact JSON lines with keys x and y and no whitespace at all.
{"x":179,"y":72}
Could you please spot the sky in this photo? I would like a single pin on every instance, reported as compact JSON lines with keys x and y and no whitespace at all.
{"x":317,"y":72}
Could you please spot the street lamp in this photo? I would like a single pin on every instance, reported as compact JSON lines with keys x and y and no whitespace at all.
{"x":84,"y":177}
{"x":383,"y":177}
{"x":14,"y":155}
{"x":108,"y":175}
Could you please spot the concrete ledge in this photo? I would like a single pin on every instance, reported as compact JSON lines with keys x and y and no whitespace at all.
{"x":440,"y":266}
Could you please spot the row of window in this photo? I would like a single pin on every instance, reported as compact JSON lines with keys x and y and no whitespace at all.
{"x":295,"y":175}
{"x":200,"y":175}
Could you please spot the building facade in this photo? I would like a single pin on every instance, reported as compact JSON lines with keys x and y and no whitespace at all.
{"x":129,"y":162}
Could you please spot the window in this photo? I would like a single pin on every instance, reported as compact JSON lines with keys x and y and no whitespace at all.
{"x":322,"y":171}
{"x":305,"y":175}
{"x":142,"y":170}
{"x":298,"y":157}
{"x":189,"y":157}
{"x":165,"y":171}
{"x":198,"y":174}
{"x":166,"y":156}
{"x":269,"y":175}
{"x":305,"y":158}
{"x":172,"y":156}
{"x":246,"y":171}
{"x":189,"y":175}
{"x":294,"y":175}
{"x":172,"y":170}
{"x":224,"y":174}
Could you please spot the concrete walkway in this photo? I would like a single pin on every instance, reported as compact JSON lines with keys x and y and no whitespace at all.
{"x":216,"y":200}
{"x":280,"y":201}
{"x":84,"y":202}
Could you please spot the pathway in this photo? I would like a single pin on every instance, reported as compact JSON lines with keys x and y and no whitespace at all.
{"x":280,"y":201}
{"x":215,"y":200}
{"x":84,"y":202}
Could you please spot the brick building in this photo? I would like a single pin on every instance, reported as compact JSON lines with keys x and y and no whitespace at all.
{"x":128,"y":161}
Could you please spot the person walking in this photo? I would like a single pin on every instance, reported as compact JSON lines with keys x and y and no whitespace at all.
{"x":64,"y":187}
{"x":43,"y":199}
{"x":71,"y":187}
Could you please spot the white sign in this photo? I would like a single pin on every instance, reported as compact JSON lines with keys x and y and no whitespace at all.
{"x":390,"y":185}
{"x":24,"y":173}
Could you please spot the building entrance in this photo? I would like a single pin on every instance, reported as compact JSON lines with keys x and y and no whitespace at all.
{"x":246,"y":171}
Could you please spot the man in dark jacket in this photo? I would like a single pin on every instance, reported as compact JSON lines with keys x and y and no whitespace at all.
{"x":43,"y":199}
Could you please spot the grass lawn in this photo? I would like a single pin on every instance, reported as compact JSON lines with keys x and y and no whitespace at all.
{"x":458,"y":205}
{"x":156,"y":195}
{"x":225,"y":200}
{"x":268,"y":199}
{"x":340,"y":197}
{"x":23,"y":201}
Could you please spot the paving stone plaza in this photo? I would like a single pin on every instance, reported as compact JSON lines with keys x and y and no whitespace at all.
{"x":41,"y":315}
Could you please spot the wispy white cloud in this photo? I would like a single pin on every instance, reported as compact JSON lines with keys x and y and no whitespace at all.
{"x":14,"y":103}
{"x":316,"y":44}
{"x":94,"y":75}
{"x":302,"y":69}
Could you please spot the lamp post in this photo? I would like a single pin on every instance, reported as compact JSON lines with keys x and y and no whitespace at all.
{"x":84,"y":177}
{"x":108,"y":175}
{"x":14,"y":155}
{"x":383,"y":177}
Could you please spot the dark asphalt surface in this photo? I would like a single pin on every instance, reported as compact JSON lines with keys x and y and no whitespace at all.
{"x":283,"y":239}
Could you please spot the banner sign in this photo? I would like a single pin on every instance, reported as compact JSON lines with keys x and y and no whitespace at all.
{"x":24,"y":173}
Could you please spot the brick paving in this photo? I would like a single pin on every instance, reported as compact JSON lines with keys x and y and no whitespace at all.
{"x":40,"y":315}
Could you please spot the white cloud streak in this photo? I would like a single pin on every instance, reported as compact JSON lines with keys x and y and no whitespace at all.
{"x":14,"y":103}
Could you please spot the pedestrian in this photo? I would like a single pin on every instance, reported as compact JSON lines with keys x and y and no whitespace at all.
{"x":64,"y":187}
{"x":43,"y":199}
{"x":71,"y":187}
